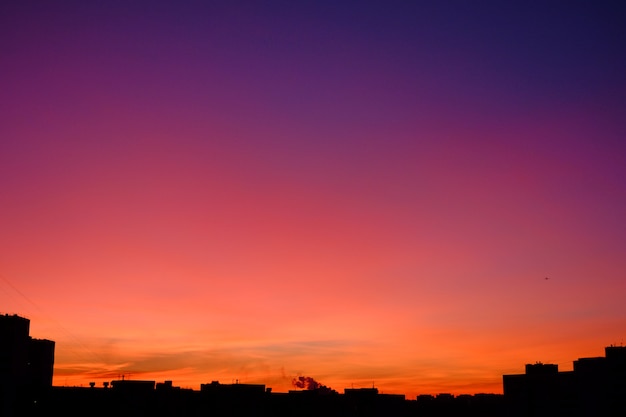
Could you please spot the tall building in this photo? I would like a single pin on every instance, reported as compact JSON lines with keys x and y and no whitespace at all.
{"x":14,"y":343}
{"x":26,"y":364}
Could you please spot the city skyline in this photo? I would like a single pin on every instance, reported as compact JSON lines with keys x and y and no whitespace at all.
{"x":417,"y":196}
{"x":28,"y":364}
{"x":595,"y":387}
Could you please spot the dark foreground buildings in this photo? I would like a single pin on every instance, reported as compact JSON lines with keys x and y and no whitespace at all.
{"x":596,"y":387}
{"x":147,"y":398}
{"x":26,"y":364}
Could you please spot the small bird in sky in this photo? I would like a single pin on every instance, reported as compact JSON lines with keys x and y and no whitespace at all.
{"x":547,"y":278}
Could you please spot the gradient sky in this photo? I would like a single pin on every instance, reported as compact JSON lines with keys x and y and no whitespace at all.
{"x":361,"y":192}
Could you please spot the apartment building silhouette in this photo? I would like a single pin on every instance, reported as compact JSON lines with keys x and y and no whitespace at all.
{"x":595,"y":387}
{"x":26,"y":364}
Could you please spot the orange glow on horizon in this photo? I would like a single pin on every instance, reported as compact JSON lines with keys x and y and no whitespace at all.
{"x":366,"y":195}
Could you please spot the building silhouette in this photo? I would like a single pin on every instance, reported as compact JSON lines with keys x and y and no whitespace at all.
{"x":595,"y":387}
{"x":26,"y":364}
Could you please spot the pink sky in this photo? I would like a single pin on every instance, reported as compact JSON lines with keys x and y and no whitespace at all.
{"x":364,"y":195}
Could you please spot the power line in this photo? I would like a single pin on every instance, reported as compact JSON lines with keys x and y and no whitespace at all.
{"x":75,"y":340}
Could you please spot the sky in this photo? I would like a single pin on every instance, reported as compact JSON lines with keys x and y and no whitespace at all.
{"x":417,"y":196}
